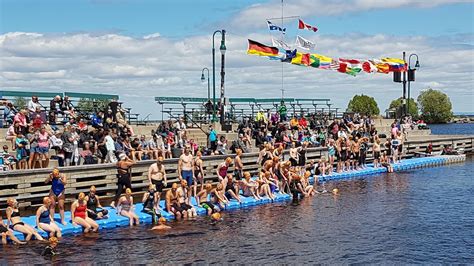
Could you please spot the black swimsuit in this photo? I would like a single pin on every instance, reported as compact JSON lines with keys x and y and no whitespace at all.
{"x":15,"y":214}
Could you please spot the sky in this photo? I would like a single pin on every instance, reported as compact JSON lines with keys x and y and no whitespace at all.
{"x":141,"y":49}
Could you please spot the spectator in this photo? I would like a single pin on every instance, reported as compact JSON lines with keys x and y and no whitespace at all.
{"x":212,"y":138}
{"x":110,"y":146}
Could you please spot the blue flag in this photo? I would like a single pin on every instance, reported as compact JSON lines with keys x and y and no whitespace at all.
{"x":272,"y":26}
{"x":289,"y":54}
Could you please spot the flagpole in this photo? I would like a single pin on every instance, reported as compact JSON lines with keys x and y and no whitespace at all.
{"x":283,"y":38}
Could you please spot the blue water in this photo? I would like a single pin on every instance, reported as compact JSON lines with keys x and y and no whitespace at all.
{"x":421,"y":216}
{"x":452,"y":129}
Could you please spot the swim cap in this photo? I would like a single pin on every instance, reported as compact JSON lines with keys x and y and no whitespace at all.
{"x":55,"y":171}
{"x":128,"y":191}
{"x":174,"y":185}
{"x":53,"y":240}
{"x":162,"y":220}
{"x":335,"y":190}
{"x":216,"y":216}
{"x":228,"y":160}
{"x":81,"y":196}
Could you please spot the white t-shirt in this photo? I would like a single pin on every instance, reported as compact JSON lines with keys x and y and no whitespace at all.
{"x":109,"y":143}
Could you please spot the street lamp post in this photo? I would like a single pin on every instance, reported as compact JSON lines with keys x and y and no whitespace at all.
{"x":222,"y":49}
{"x":208,"y":89}
{"x":411,"y":76}
{"x":203,"y":78}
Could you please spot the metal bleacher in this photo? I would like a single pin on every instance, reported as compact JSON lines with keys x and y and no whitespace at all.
{"x":45,"y":97}
{"x":237,"y":109}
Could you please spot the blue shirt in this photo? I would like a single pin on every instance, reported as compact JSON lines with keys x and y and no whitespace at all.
{"x":212,"y":135}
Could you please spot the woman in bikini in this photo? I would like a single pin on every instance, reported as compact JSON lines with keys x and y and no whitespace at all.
{"x":15,"y":223}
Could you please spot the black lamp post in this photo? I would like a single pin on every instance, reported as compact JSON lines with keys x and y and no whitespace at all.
{"x":223,"y":50}
{"x":411,"y":76}
{"x":208,"y":83}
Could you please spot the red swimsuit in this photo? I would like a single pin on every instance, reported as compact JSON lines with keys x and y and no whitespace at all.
{"x":80,"y":211}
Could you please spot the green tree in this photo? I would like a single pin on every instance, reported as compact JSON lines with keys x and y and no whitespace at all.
{"x":413,"y":106}
{"x":88,"y":105}
{"x":364,"y":105}
{"x":20,"y":103}
{"x":435,"y":106}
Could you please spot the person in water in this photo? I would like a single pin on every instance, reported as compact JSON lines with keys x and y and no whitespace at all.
{"x":95,"y":210}
{"x":50,"y":250}
{"x":202,"y":200}
{"x":125,"y":207}
{"x":58,"y":182}
{"x":161,"y":225}
{"x":15,"y":223}
{"x":44,"y":219}
{"x":79,"y":215}
{"x":5,"y":232}
{"x":151,"y":202}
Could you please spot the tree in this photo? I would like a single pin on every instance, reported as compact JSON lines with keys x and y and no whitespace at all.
{"x":89,"y":105}
{"x":20,"y":103}
{"x":364,"y":105}
{"x":413,"y":106}
{"x":435,"y":106}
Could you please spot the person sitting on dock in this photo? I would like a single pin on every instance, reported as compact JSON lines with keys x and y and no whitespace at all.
{"x":266,"y":185}
{"x":58,"y":182}
{"x":296,"y":187}
{"x":231,"y":188}
{"x":385,"y":162}
{"x":172,"y":202}
{"x":249,"y":187}
{"x":203,"y":201}
{"x":45,"y":221}
{"x":5,"y":232}
{"x":309,"y":189}
{"x":151,"y":202}
{"x":126,"y":208}
{"x":95,"y":210}
{"x":184,"y":196}
{"x":79,"y":215}
{"x":15,"y":223}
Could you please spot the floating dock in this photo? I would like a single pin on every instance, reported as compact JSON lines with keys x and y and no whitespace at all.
{"x":116,"y":220}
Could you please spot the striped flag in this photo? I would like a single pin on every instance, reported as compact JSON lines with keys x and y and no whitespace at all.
{"x":272,"y":26}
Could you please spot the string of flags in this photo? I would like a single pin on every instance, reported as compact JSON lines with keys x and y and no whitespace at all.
{"x":344,"y":65}
{"x":283,"y":52}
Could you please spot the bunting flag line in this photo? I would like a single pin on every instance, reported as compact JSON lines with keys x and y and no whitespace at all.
{"x":343,"y":65}
{"x":280,"y":43}
{"x":272,"y":26}
{"x":257,"y":48}
{"x":302,"y":25}
{"x":303,"y":43}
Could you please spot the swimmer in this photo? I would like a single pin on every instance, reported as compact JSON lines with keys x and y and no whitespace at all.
{"x":385,"y":162}
{"x":50,"y":250}
{"x":249,"y":187}
{"x":309,"y":189}
{"x":203,"y":201}
{"x":44,"y":220}
{"x":15,"y":223}
{"x":151,"y":202}
{"x":218,"y":196}
{"x":95,"y":210}
{"x":216,"y":217}
{"x":5,"y":232}
{"x":125,"y":207}
{"x":223,"y":168}
{"x":56,"y":194}
{"x":161,"y":225}
{"x":172,"y":203}
{"x":231,"y":188}
{"x":335,"y":191}
{"x":79,"y":215}
{"x":184,"y":195}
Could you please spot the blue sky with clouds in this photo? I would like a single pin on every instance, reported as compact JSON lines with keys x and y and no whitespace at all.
{"x":154,"y":46}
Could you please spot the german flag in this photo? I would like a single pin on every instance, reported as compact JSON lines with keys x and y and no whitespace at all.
{"x":257,"y":48}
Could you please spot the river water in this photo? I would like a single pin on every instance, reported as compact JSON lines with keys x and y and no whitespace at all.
{"x":452,"y":129}
{"x":417,"y":216}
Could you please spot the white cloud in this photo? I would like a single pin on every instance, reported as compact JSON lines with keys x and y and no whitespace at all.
{"x":139,"y":69}
{"x":253,"y":15}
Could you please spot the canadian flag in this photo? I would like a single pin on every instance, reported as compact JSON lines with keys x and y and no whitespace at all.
{"x":302,"y":25}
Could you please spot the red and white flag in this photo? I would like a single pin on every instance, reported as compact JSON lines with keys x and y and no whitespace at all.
{"x":302,"y":25}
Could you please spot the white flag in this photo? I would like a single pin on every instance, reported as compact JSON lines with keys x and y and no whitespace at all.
{"x":280,"y":43}
{"x":303,"y":43}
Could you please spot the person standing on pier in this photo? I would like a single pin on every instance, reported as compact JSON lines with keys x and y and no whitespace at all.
{"x":186,"y":168}
{"x":157,"y":176}
{"x":212,"y":139}
{"x":124,"y":176}
{"x":58,"y":182}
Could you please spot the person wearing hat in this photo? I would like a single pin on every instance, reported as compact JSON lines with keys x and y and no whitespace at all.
{"x":58,"y":183}
{"x":172,"y":202}
{"x":161,"y":225}
{"x":126,"y":208}
{"x":124,"y":176}
{"x":50,"y":250}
